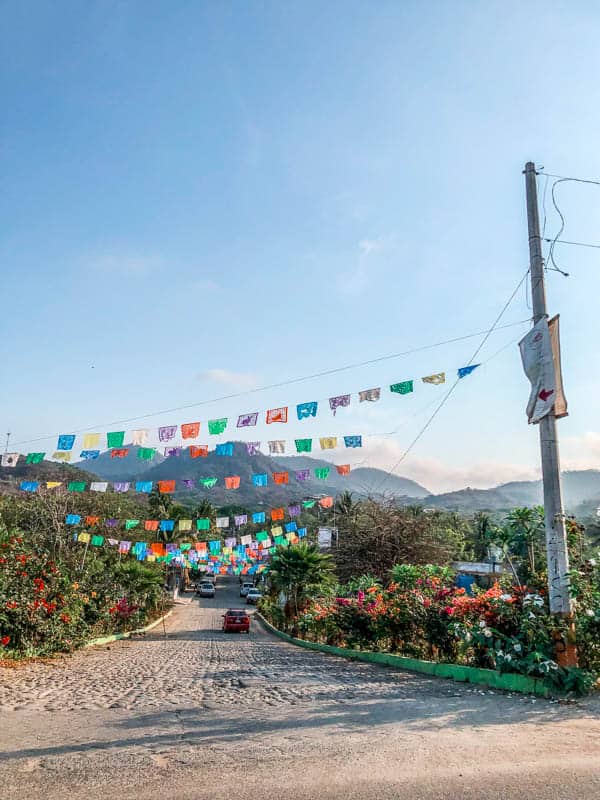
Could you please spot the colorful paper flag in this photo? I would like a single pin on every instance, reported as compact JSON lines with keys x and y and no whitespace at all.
{"x":293,"y":511}
{"x":305,"y":410}
{"x":54,"y":484}
{"x":185,"y":525}
{"x":353,"y":441}
{"x":172,"y":452}
{"x":66,"y":441}
{"x":247,"y":420}
{"x":277,"y":513}
{"x":302,"y":474}
{"x":91,"y":441}
{"x":253,"y":448}
{"x":189,"y":483}
{"x":303,"y":445}
{"x":341,"y":401}
{"x":464,"y":371}
{"x":115,"y":439}
{"x":225,"y":449}
{"x":200,"y":451}
{"x":241,"y":519}
{"x":258,"y":517}
{"x":343,"y":469}
{"x":131,"y":523}
{"x":261,"y":536}
{"x":190,"y":430}
{"x":167,"y":432}
{"x":9,"y":459}
{"x":73,"y":519}
{"x":89,"y":455}
{"x":222,"y":522}
{"x":151,"y":525}
{"x":34,"y":458}
{"x":76,"y":486}
{"x":436,"y":379}
{"x":322,"y":473}
{"x":328,"y":442}
{"x":217,"y":426}
{"x":290,"y":527}
{"x":404,"y":387}
{"x":232,"y":482}
{"x":167,"y":525}
{"x":111,"y":523}
{"x":60,"y":456}
{"x":98,"y":486}
{"x":166,"y":487}
{"x":203,"y":524}
{"x":277,"y":446}
{"x":208,"y":483}
{"x":139,"y":437}
{"x":277,"y":415}
{"x":281,"y":478}
{"x":124,"y":547}
{"x":29,"y":486}
{"x":121,"y":486}
{"x":119,"y":452}
{"x":369,"y":395}
{"x":326,"y":502}
{"x":84,"y":537}
{"x":146,"y":453}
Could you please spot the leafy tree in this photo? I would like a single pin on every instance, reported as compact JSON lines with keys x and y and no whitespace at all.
{"x":300,"y":571}
{"x":527,"y":527}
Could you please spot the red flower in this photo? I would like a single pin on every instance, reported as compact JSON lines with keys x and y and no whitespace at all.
{"x":4,"y":641}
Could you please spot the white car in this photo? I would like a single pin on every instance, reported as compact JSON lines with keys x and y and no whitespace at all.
{"x":206,"y":589}
{"x":253,"y":596}
{"x":245,"y":588}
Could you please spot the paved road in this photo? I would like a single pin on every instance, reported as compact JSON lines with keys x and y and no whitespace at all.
{"x":199,"y":713}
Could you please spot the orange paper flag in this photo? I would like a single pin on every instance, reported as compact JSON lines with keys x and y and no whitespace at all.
{"x":158,"y":549}
{"x":277,"y":415}
{"x":326,"y":502}
{"x":151,"y":525}
{"x":233,"y":482}
{"x":277,"y":513}
{"x":90,"y":521}
{"x":166,"y":487}
{"x":119,"y":452}
{"x":281,"y":477}
{"x":196,"y":451}
{"x":343,"y":469}
{"x":189,"y":430}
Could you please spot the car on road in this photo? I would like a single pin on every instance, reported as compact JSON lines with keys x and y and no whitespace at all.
{"x":253,"y":596}
{"x":236,"y":620}
{"x":245,"y":588}
{"x":206,"y":589}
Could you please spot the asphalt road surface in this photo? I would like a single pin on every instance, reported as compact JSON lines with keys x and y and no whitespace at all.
{"x":197,"y":713}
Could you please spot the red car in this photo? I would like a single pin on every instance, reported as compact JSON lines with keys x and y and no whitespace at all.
{"x":237,"y":621}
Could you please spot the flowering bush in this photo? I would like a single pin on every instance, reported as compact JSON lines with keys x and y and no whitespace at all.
{"x":49,"y":606}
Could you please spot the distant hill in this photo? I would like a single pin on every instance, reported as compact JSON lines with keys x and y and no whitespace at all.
{"x":11,"y":477}
{"x":121,"y":469}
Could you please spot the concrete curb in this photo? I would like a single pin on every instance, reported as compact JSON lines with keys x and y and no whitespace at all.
{"x":506,"y":681}
{"x":115,"y":637}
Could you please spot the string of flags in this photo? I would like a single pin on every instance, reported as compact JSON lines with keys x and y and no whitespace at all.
{"x":204,"y":523}
{"x":93,"y":443}
{"x":231,"y":482}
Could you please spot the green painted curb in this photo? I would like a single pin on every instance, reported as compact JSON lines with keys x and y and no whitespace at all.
{"x":506,"y":681}
{"x":127,"y":634}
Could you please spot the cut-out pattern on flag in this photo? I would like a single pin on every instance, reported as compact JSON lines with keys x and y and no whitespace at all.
{"x":9,"y":459}
{"x":143,"y":486}
{"x":222,"y":522}
{"x":91,"y":441}
{"x":353,"y":441}
{"x":464,"y":371}
{"x":253,"y":448}
{"x":303,"y":445}
{"x":305,"y":410}
{"x":151,"y":525}
{"x":436,"y":379}
{"x":119,"y":452}
{"x":98,"y":486}
{"x":277,"y":513}
{"x":277,"y":415}
{"x":281,"y":478}
{"x":290,"y":527}
{"x":260,"y":479}
{"x":328,"y":442}
{"x":198,"y":451}
{"x":91,"y":521}
{"x":172,"y":452}
{"x":166,"y":433}
{"x":369,"y":395}
{"x":89,"y":455}
{"x":66,"y":441}
{"x":343,"y":469}
{"x":188,"y":483}
{"x":131,"y":523}
{"x":225,"y":449}
{"x":322,"y":473}
{"x":404,"y":387}
{"x":190,"y":430}
{"x":76,"y":486}
{"x":73,"y":519}
{"x":217,"y":426}
{"x":294,"y":510}
{"x":61,"y":456}
{"x":341,"y":401}
{"x":29,"y":486}
{"x":302,"y":474}
{"x":259,"y":517}
{"x":185,"y":525}
{"x":232,"y":482}
{"x":247,"y":420}
{"x":139,"y":437}
{"x":115,"y":439}
{"x":203,"y":524}
{"x":208,"y":483}
{"x":240,"y":519}
{"x":146,"y":453}
{"x":34,"y":458}
{"x":167,"y":525}
{"x":166,"y":487}
{"x":54,"y":484}
{"x":277,"y":446}
{"x":122,"y":486}
{"x":326,"y":502}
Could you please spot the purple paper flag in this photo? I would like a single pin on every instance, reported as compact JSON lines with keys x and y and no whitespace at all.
{"x":111,"y":523}
{"x":241,"y":519}
{"x":121,"y":486}
{"x":302,"y":474}
{"x":172,"y":451}
{"x":247,"y":420}
{"x":293,"y":511}
{"x":342,"y":401}
{"x":188,"y":483}
{"x":167,"y":432}
{"x":253,"y":448}
{"x":231,"y":541}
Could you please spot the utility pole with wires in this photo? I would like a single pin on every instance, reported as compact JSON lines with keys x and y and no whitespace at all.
{"x":556,"y":536}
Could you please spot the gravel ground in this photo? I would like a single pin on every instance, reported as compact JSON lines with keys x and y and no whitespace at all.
{"x":199,"y":713}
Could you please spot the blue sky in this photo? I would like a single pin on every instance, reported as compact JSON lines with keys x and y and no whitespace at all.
{"x":199,"y":198}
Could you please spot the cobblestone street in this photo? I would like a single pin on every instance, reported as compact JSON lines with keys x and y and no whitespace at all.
{"x":200,"y":708}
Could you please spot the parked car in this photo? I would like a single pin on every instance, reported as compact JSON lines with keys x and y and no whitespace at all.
{"x":253,"y":596}
{"x":245,"y":588}
{"x":206,"y":589}
{"x":236,"y":620}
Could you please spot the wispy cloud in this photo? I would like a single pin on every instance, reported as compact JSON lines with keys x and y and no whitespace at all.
{"x":581,"y":452}
{"x":357,"y":279}
{"x":225,"y":377}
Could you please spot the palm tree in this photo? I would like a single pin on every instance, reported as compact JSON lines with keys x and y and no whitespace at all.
{"x":527,"y":525}
{"x":299,"y":572}
{"x":206,"y":510}
{"x":344,"y":505}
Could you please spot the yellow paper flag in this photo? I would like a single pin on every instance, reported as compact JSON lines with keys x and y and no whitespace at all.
{"x":61,"y":455}
{"x":185,"y":525}
{"x":90,"y":441}
{"x":439,"y":377}
{"x":277,"y":530}
{"x":83,"y":537}
{"x":52,"y":484}
{"x":328,"y":442}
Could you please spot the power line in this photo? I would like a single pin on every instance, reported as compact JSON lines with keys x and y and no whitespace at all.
{"x":279,"y":384}
{"x":569,"y":178}
{"x":455,"y":384}
{"x":576,"y":244}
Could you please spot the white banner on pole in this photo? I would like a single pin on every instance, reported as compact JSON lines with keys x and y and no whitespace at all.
{"x":543,"y":372}
{"x":324,"y":537}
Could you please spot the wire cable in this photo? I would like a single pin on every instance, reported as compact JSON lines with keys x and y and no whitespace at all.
{"x":276,"y":385}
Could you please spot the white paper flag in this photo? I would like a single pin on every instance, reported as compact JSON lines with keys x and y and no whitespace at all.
{"x":277,"y":446}
{"x":9,"y":459}
{"x":538,"y":363}
{"x":246,"y":539}
{"x":98,"y":486}
{"x":222,"y":522}
{"x":139,"y":437}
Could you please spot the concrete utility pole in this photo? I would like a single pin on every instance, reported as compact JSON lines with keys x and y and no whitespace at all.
{"x":556,"y":535}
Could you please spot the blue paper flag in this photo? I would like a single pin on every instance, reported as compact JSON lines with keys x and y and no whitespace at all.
{"x":167,"y":524}
{"x":259,"y":480}
{"x":464,"y":371}
{"x":73,"y":519}
{"x":305,"y":410}
{"x":224,"y":449}
{"x":259,"y":516}
{"x":29,"y":486}
{"x":143,"y":486}
{"x":66,"y":441}
{"x":353,"y":441}
{"x":301,"y":532}
{"x":89,"y":454}
{"x":290,"y":527}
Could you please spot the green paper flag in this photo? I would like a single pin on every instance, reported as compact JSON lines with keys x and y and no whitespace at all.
{"x":261,"y":536}
{"x":34,"y":458}
{"x":303,"y":445}
{"x":308,"y":503}
{"x":216,"y":426}
{"x":208,"y":482}
{"x":272,"y":550}
{"x":281,"y":541}
{"x":203,"y":524}
{"x":185,"y":546}
{"x":76,"y":486}
{"x":322,"y":473}
{"x":404,"y":387}
{"x":115,"y":439}
{"x":131,"y":523}
{"x":146,"y":453}
{"x":97,"y":540}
